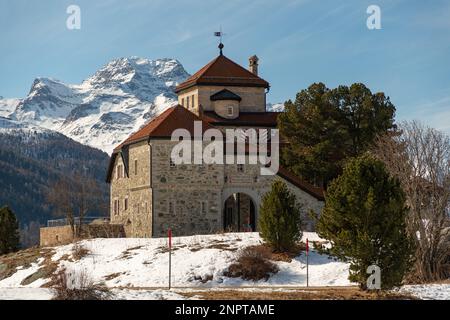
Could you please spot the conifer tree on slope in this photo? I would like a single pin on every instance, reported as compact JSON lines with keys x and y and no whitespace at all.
{"x":9,"y":231}
{"x":279,"y":220}
{"x":364,"y":218}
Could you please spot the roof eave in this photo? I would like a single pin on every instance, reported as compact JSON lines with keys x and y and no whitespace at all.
{"x":186,"y":86}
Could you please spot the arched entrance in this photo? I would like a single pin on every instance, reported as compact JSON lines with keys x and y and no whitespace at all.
{"x":239,"y":213}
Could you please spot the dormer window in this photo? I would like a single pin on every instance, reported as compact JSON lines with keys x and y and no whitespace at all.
{"x":230,"y":111}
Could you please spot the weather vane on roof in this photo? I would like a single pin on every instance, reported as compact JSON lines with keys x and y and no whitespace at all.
{"x":220,"y":34}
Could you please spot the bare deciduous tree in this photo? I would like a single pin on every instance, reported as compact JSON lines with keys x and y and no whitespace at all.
{"x":73,"y":198}
{"x":29,"y":234}
{"x":420,"y":157}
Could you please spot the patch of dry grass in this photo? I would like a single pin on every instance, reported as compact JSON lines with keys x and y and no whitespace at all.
{"x":127,"y":254}
{"x":78,"y":286}
{"x":46,"y":271}
{"x":24,"y":258}
{"x":165,"y":249}
{"x":253,"y":263}
{"x":79,"y":252}
{"x":287,"y":256}
{"x":113,"y":276}
{"x":205,"y":279}
{"x":216,"y":244}
{"x":344,"y":293}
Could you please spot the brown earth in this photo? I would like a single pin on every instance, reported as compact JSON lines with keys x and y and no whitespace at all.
{"x":329,"y":293}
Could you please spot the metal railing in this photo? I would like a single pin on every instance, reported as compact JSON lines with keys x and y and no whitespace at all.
{"x":64,"y":222}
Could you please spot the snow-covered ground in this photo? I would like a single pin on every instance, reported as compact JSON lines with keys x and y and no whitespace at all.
{"x":138,"y":268}
{"x":144,"y":263}
{"x":197,"y":262}
{"x":25,"y":294}
{"x":428,"y":291}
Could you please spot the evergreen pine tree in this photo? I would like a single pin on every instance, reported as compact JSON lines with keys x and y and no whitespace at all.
{"x":364,"y":219}
{"x":279,"y":221}
{"x":9,"y":231}
{"x":311,"y":124}
{"x":325,"y":127}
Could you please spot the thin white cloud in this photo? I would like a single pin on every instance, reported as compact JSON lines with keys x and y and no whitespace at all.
{"x":435,"y":113}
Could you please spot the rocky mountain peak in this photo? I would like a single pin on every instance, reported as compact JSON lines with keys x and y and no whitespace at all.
{"x":106,"y":107}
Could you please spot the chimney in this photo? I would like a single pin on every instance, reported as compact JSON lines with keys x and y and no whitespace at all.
{"x":253,"y":64}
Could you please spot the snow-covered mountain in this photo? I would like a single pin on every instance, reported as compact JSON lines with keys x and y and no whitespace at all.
{"x":105,"y":108}
{"x":275,"y":107}
{"x":7,"y":106}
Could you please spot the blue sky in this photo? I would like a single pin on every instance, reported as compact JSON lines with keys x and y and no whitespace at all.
{"x":298,"y":42}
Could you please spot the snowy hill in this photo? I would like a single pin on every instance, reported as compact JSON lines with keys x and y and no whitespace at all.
{"x":143,"y":262}
{"x":197,"y":262}
{"x":138,"y":269}
{"x":105,"y":108}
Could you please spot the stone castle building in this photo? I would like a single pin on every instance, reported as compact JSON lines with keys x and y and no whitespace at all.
{"x":149,"y":193}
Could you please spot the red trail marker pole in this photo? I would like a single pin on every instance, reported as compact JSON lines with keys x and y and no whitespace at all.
{"x":307,"y":262}
{"x":170,"y":256}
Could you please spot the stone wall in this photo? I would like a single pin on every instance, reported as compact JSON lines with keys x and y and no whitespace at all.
{"x":136,"y":188}
{"x":179,"y":192}
{"x":102,"y":230}
{"x":253,"y":99}
{"x":188,"y":198}
{"x":55,"y":236}
{"x":192,"y":93}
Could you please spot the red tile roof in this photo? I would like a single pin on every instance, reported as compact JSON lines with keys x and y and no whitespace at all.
{"x":223,"y":71}
{"x":163,"y":125}
{"x":316,"y":192}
